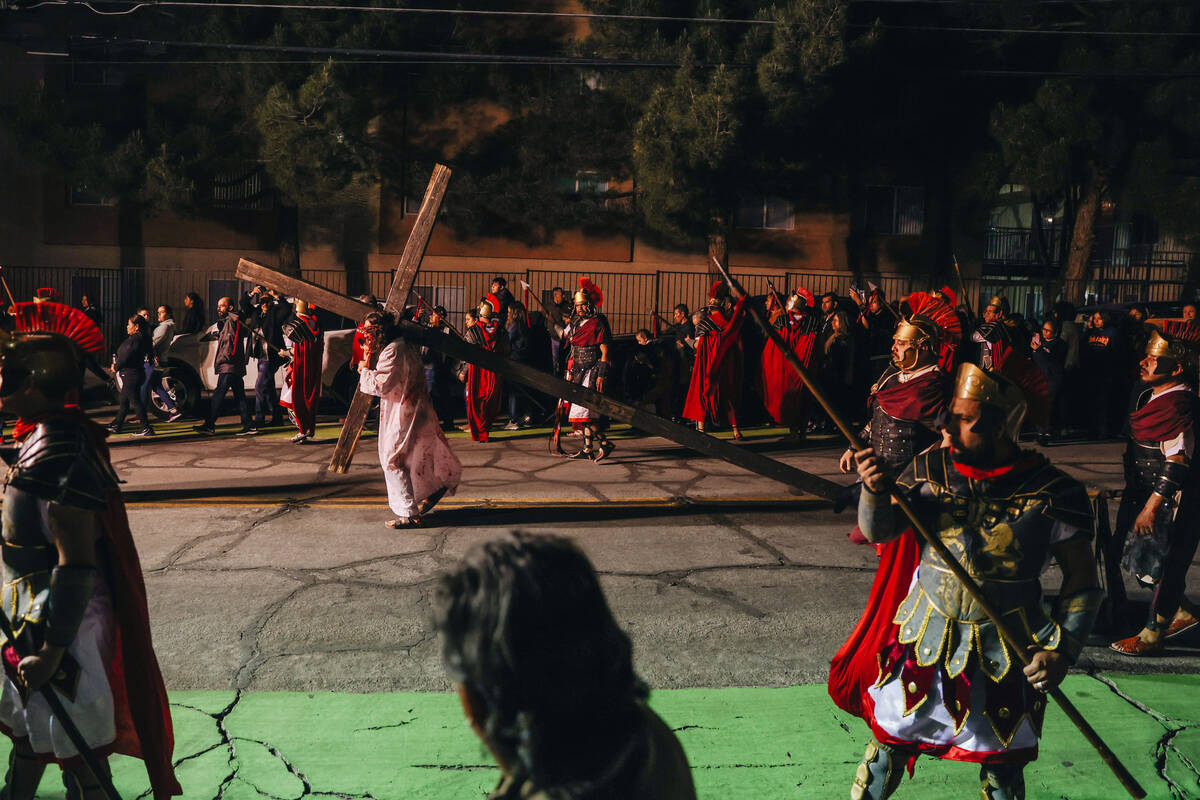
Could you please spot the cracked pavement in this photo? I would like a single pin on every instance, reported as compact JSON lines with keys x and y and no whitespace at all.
{"x":273,"y":576}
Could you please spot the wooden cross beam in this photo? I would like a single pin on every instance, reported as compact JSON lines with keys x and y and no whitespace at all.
{"x":402,"y":283}
{"x":549,"y":384}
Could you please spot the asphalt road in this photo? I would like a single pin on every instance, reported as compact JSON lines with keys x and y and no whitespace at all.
{"x":266,"y":573}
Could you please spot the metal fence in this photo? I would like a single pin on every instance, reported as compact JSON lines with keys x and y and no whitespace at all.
{"x":629,"y":297}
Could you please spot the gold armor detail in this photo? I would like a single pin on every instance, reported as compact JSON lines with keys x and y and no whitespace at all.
{"x":1161,"y":347}
{"x":973,"y":383}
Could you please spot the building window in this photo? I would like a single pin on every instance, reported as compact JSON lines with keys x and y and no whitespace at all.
{"x":583,"y":182}
{"x":244,"y":188}
{"x":81,"y":195}
{"x":763,"y":211}
{"x":895,"y":210}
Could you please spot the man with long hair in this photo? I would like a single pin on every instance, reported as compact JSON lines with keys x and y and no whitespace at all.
{"x":546,"y":677}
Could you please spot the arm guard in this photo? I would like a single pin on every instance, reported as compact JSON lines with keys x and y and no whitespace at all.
{"x":876,"y":516}
{"x":602,"y":369}
{"x":70,"y":592}
{"x":1076,"y":615}
{"x":1171,"y":478}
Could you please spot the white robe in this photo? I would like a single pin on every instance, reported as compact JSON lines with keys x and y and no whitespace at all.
{"x":416,"y":459}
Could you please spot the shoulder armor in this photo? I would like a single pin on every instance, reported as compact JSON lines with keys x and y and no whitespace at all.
{"x":59,"y":463}
{"x":927,"y":467}
{"x":1066,"y":498}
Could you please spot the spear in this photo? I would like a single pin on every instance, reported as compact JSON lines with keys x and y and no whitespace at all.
{"x":445,"y":322}
{"x":12,"y":302}
{"x":64,"y":721}
{"x":963,"y":287}
{"x":1017,"y":644}
{"x":553,"y":316}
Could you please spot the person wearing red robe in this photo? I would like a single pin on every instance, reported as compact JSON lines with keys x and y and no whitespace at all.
{"x":485,"y":389}
{"x":302,"y":392}
{"x":75,"y":596}
{"x":588,"y":337}
{"x":715,"y":391}
{"x":783,"y":391}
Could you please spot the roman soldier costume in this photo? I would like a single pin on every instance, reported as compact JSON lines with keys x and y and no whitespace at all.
{"x":933,"y":675}
{"x":108,"y":680}
{"x":714,"y":393}
{"x":783,"y":391}
{"x":995,"y":338}
{"x":587,"y":337}
{"x":485,"y":390}
{"x":302,"y":381}
{"x":1158,"y":459}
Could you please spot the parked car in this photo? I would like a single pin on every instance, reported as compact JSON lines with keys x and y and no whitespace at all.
{"x":188,"y":373}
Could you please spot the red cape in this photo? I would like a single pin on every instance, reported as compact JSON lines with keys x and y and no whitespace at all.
{"x":783,"y":391}
{"x":1164,"y":417}
{"x":716,"y":387}
{"x":855,"y":667}
{"x":485,"y":390}
{"x":922,"y":398}
{"x":305,"y":375}
{"x":143,"y":714}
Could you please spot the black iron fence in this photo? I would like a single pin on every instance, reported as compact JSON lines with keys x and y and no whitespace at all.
{"x":630,"y":297}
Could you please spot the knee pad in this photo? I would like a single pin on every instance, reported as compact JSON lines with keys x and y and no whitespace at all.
{"x":1002,"y":782}
{"x":878,"y":775}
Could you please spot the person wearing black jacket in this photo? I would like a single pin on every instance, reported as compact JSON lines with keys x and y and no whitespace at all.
{"x":230,"y":365}
{"x":1049,"y":352}
{"x":269,"y":316}
{"x":518,"y":342}
{"x":128,"y":364}
{"x":193,"y":317}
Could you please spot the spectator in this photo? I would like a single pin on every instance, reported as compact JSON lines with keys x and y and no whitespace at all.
{"x":438,"y":373}
{"x":829,"y":306}
{"x":93,"y":312}
{"x":1137,"y":333}
{"x":229,"y":362}
{"x":160,"y":346}
{"x":837,"y":366}
{"x":684,"y":332}
{"x":518,"y":343}
{"x":266,"y":347}
{"x":561,"y":305}
{"x":1189,"y":313}
{"x":129,"y":367}
{"x":546,"y":676}
{"x":500,"y":290}
{"x":1050,"y":355}
{"x":194,"y":320}
{"x":1103,"y":363}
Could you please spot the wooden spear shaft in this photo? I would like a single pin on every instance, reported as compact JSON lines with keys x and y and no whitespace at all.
{"x":1016,"y":644}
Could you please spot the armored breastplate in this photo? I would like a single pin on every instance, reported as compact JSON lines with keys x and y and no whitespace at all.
{"x":1001,"y":534}
{"x":896,"y":441}
{"x":583,"y":357}
{"x":28,"y":556}
{"x":1144,"y":462}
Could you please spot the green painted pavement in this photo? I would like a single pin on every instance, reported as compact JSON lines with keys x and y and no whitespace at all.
{"x":742,"y":743}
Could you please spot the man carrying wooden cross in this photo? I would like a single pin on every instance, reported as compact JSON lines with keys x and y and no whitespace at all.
{"x":946,"y":683}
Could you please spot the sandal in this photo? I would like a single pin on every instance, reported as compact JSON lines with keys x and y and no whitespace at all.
{"x":1178,"y":627}
{"x":604,"y":451}
{"x":1134,"y":646}
{"x":403,"y":522}
{"x":429,"y":502}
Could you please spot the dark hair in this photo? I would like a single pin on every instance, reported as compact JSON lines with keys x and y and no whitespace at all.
{"x":1190,"y":303}
{"x":195,"y":298}
{"x":170,"y":311}
{"x":683,"y":309}
{"x":526,"y":628}
{"x":644,"y":332}
{"x":500,"y":280}
{"x":139,"y":322}
{"x":830,"y":294}
{"x":1105,"y":317}
{"x":557,"y":289}
{"x":439,"y":310}
{"x":1054,"y":323}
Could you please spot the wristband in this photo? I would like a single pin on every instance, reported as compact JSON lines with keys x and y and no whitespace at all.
{"x":1171,"y":478}
{"x":601,"y":369}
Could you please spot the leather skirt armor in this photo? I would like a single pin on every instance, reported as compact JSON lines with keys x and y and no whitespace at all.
{"x":1145,"y":465}
{"x":897,"y":441}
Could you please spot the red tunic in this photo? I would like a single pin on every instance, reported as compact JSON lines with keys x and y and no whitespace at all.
{"x":716,"y":388}
{"x":304,"y":376}
{"x":783,"y":390}
{"x":485,"y":390}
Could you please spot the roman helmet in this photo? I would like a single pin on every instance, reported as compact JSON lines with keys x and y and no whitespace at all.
{"x":486,"y":309}
{"x":1001,"y":304}
{"x":800,"y":299}
{"x":718,"y":295}
{"x":589,"y":294}
{"x":51,"y":360}
{"x":1015,"y":386}
{"x":302,"y":306}
{"x":1169,"y":351}
{"x":922,"y":335}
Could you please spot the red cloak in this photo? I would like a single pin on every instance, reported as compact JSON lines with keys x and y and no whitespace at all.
{"x":304,"y":374}
{"x":1164,"y":417}
{"x":143,"y":713}
{"x":716,"y":388}
{"x":783,"y":391}
{"x":485,"y":390}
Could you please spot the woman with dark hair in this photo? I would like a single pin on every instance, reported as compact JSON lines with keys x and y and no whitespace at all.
{"x":1049,"y":353}
{"x":193,"y":319}
{"x":838,"y":367}
{"x":546,"y":677}
{"x":128,"y":365}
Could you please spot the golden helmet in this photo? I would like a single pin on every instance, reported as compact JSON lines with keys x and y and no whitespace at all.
{"x":1160,"y":346}
{"x":301,"y":306}
{"x":991,"y":389}
{"x":485,"y":310}
{"x":921,"y":333}
{"x":1001,"y":304}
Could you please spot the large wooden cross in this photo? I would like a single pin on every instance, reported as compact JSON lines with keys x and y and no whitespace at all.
{"x":544,"y":382}
{"x":402,"y":283}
